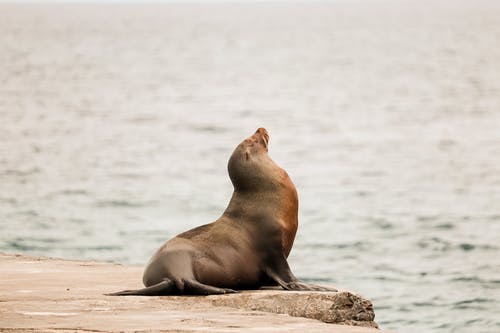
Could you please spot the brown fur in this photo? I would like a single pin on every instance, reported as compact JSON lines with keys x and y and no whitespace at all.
{"x":247,"y":246}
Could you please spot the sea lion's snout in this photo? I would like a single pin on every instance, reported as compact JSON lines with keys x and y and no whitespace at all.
{"x":261,"y":131}
{"x":262,"y":134}
{"x":265,"y":136}
{"x":255,"y":144}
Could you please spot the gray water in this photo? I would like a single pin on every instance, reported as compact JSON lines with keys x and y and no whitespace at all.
{"x":117,"y":122}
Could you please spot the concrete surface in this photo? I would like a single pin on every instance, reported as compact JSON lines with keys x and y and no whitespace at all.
{"x":55,"y":295}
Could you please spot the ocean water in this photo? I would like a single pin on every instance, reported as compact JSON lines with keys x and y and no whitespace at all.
{"x":117,"y":121}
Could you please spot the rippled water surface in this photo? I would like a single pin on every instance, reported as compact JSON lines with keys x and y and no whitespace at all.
{"x":117,"y":123}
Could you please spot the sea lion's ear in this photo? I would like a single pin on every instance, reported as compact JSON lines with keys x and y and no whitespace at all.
{"x":247,"y":156}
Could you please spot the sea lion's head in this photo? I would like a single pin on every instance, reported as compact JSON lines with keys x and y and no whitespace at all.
{"x":250,"y":167}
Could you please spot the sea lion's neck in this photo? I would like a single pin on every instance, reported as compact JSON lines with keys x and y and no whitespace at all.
{"x":246,"y":205}
{"x":278,"y":207}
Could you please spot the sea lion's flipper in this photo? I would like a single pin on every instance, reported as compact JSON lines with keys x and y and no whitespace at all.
{"x":280,"y":272}
{"x":300,"y":286}
{"x":166,"y":287}
{"x":198,"y":288}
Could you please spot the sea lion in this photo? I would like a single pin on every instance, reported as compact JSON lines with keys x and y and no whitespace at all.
{"x":247,"y":247}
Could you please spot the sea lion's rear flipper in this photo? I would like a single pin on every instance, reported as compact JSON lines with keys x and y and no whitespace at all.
{"x":166,"y":287}
{"x":280,"y":272}
{"x":197,"y":288}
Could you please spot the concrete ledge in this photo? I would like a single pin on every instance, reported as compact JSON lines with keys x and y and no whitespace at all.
{"x":54,"y":295}
{"x":343,"y":307}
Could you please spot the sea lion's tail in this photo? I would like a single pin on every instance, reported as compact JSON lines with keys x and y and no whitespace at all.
{"x":163,"y":288}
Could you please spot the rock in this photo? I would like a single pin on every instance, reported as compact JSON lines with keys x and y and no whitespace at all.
{"x":54,"y":295}
{"x":343,"y":307}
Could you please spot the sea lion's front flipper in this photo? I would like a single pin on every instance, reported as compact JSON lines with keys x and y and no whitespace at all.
{"x":280,"y":272}
{"x":166,"y":287}
{"x":198,"y":288}
{"x":300,"y":286}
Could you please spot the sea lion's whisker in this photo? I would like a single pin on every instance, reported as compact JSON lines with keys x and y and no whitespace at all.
{"x":266,"y":140}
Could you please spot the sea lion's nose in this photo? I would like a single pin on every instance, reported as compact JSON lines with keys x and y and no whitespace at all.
{"x":264,"y":136}
{"x":261,"y":131}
